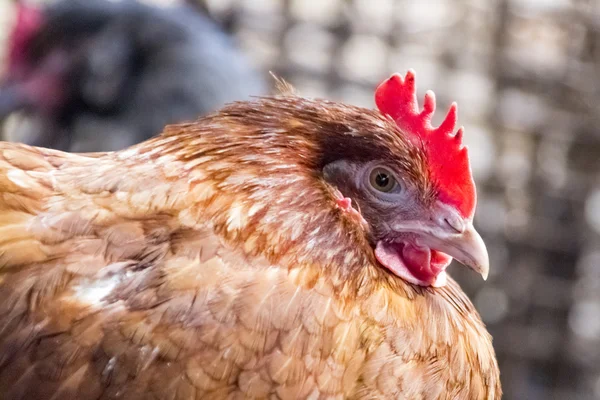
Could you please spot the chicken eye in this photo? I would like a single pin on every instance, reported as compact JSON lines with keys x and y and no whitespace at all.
{"x":382,"y":180}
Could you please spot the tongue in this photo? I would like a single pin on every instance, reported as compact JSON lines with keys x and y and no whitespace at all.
{"x":418,"y":261}
{"x":418,"y":265}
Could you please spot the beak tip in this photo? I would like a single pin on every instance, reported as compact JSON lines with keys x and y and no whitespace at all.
{"x":484,"y":274}
{"x":475,"y":252}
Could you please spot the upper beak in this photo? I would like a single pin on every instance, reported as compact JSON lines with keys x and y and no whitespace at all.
{"x":464,"y":245}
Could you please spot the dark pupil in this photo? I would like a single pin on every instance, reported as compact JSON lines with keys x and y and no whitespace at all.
{"x":382,"y":180}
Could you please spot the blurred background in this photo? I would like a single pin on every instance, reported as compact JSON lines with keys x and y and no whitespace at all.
{"x":526,"y":76}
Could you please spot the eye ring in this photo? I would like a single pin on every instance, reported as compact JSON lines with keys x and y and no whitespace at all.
{"x":383,"y":180}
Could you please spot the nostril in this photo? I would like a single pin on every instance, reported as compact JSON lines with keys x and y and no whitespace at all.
{"x":455,"y":223}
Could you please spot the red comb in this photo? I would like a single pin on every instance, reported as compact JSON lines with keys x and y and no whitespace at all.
{"x":28,"y":23}
{"x":448,"y":158}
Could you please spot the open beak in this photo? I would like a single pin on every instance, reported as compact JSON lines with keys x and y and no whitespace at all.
{"x":465,"y":246}
{"x":449,"y":233}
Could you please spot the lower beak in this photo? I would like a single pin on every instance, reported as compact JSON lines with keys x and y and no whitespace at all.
{"x":466,"y":247}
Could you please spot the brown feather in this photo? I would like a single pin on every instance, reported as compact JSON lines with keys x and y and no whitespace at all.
{"x":212,"y":262}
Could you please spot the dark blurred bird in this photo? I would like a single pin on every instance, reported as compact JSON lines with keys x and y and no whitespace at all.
{"x":97,"y":75}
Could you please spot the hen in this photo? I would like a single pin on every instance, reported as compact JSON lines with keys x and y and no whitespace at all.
{"x":97,"y":75}
{"x":280,"y":248}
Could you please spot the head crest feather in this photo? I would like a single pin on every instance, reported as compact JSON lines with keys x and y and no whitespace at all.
{"x":448,"y":158}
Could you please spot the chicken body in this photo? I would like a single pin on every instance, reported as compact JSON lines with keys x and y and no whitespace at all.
{"x":213,"y":262}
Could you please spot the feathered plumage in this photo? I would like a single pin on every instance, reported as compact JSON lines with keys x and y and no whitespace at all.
{"x":225,"y":259}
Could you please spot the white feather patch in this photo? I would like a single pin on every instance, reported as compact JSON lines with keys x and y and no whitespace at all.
{"x":93,"y":292}
{"x":19,"y":178}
